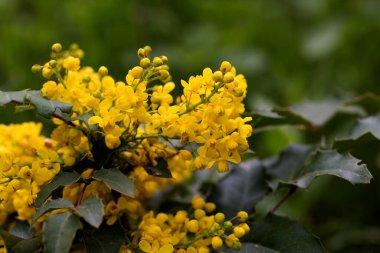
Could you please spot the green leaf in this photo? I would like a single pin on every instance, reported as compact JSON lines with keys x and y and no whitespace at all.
{"x":58,"y":232}
{"x":284,"y":235}
{"x":295,"y":169}
{"x":245,"y":183}
{"x":62,"y":179}
{"x":107,"y":239}
{"x":160,"y":170}
{"x":91,"y":210}
{"x":368,"y":101}
{"x":252,"y":248}
{"x":51,"y":205}
{"x":29,"y":245}
{"x":44,"y":107}
{"x":9,"y":239}
{"x":282,"y":167}
{"x":116,"y":180}
{"x":266,"y":118}
{"x":22,"y":229}
{"x":316,"y":114}
{"x":365,"y":130}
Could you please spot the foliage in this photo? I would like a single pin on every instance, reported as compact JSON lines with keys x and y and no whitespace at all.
{"x":123,"y":152}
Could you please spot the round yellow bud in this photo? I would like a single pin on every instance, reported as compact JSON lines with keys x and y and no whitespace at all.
{"x":180,"y":217}
{"x":141,"y":52}
{"x":103,"y":71}
{"x":228,"y":77}
{"x":216,"y":242}
{"x":136,"y":72}
{"x":203,"y":250}
{"x":225,"y":67}
{"x":210,"y":207}
{"x":219,"y":217}
{"x":157,"y":61}
{"x":228,"y":225}
{"x":56,"y":48}
{"x":242,"y":216}
{"x":47,"y":72}
{"x":163,"y":74}
{"x":192,"y":226}
{"x":197,"y":202}
{"x":147,"y":50}
{"x":164,"y":59}
{"x":145,"y":62}
{"x":239,"y":232}
{"x":36,"y":68}
{"x":217,"y":76}
{"x":199,"y":214}
{"x":245,"y":227}
{"x":237,"y":245}
{"x":52,"y":63}
{"x":230,"y":240}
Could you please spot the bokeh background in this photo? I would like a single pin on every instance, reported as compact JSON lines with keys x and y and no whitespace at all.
{"x":288,"y":50}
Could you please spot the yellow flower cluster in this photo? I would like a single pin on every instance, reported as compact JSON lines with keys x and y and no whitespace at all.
{"x":27,"y":162}
{"x":127,"y":112}
{"x":196,"y":231}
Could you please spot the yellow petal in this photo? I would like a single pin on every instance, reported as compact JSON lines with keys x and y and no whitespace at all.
{"x":145,"y":246}
{"x":167,"y":248}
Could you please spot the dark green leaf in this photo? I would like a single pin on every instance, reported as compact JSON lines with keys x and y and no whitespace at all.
{"x":252,"y":248}
{"x":44,"y":107}
{"x":266,"y":118}
{"x":91,"y":210}
{"x":288,"y":167}
{"x":22,"y":229}
{"x":366,"y":129}
{"x":51,"y":205}
{"x":282,"y":168}
{"x":116,"y":180}
{"x":284,"y":235}
{"x":368,"y":101}
{"x":62,"y":179}
{"x":9,"y":239}
{"x":245,"y":183}
{"x":58,"y":232}
{"x":316,"y":114}
{"x":107,"y":239}
{"x":160,"y":170}
{"x":27,"y":246}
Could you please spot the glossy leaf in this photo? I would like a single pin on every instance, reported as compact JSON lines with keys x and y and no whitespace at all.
{"x":116,"y":180}
{"x":368,"y":101}
{"x":10,"y":240}
{"x":241,"y":189}
{"x":252,"y":248}
{"x":284,"y":235}
{"x":29,"y":245}
{"x":91,"y":210}
{"x":62,"y":179}
{"x":51,"y":205}
{"x":44,"y":107}
{"x":58,"y":232}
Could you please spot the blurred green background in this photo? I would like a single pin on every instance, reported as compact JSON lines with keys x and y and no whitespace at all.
{"x":288,"y":51}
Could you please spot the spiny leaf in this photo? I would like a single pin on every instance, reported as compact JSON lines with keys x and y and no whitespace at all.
{"x":284,"y":235}
{"x":245,"y":183}
{"x":300,"y":168}
{"x":50,"y":206}
{"x":366,"y":129}
{"x":91,"y":210}
{"x":368,"y":101}
{"x":316,"y":114}
{"x":44,"y":107}
{"x":58,"y":232}
{"x":116,"y":180}
{"x":62,"y":179}
{"x":9,"y":239}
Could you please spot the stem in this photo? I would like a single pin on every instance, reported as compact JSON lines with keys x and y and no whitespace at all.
{"x":292,"y":190}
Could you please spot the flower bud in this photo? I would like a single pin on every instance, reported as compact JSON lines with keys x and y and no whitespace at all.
{"x":242,"y":216}
{"x":216,"y":242}
{"x":163,"y":74}
{"x":192,"y":226}
{"x":225,"y":67}
{"x":141,"y":53}
{"x":228,"y":77}
{"x":56,"y":48}
{"x":36,"y":68}
{"x":210,"y":207}
{"x":103,"y":71}
{"x":217,"y":76}
{"x":219,"y":217}
{"x":145,"y":62}
{"x":52,"y":63}
{"x":147,"y":50}
{"x":239,"y":232}
{"x":199,"y":214}
{"x":197,"y":202}
{"x":157,"y":61}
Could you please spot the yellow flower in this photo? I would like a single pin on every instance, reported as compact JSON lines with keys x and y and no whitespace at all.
{"x":155,"y":247}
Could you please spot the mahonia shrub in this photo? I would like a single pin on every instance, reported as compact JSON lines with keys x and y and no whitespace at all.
{"x":130,"y":167}
{"x":117,"y":143}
